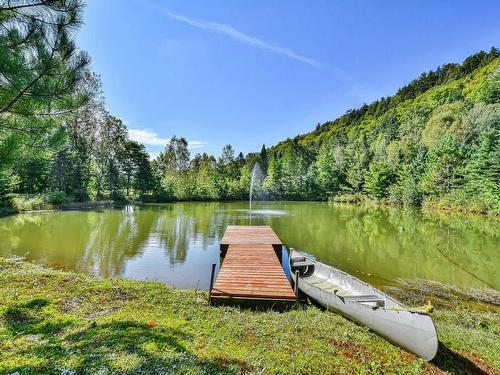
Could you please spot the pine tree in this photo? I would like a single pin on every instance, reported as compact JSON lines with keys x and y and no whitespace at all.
{"x":111,"y":137}
{"x":175,"y":157}
{"x":378,"y":180}
{"x":443,"y":166}
{"x":143,"y":177}
{"x":357,"y":163}
{"x":263,"y":158}
{"x":41,"y":68}
{"x":273,"y":180}
{"x":328,"y":177}
{"x":129,"y":158}
{"x":227,"y":156}
{"x":482,"y":173}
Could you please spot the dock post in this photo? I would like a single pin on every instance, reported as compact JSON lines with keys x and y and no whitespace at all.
{"x":212,"y":274}
{"x":296,"y":286}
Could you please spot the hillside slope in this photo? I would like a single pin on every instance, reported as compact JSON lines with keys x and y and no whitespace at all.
{"x":435,"y":142}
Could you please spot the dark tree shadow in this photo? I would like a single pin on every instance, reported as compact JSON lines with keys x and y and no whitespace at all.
{"x":452,"y":362}
{"x":30,"y":318}
{"x":157,"y":349}
{"x":127,"y":336}
{"x":21,"y":314}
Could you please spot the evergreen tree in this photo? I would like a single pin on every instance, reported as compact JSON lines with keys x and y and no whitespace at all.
{"x":482,"y":173}
{"x":81,"y":128}
{"x":227,"y":156}
{"x":175,"y":157}
{"x":111,"y":137}
{"x":61,"y":174}
{"x":378,"y":180}
{"x":40,"y":68}
{"x":32,"y":172}
{"x":328,"y":177}
{"x":357,"y":163}
{"x":273,"y":180}
{"x":443,"y":166}
{"x":129,"y":157}
{"x":263,"y":158}
{"x":206,"y":174}
{"x":144,"y":181}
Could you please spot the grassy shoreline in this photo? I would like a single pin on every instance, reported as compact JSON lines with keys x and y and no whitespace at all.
{"x":49,"y":207}
{"x":53,"y":321}
{"x":353,"y":200}
{"x":436,"y":206}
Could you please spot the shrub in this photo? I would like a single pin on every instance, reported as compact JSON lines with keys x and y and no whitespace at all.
{"x":57,"y":197}
{"x":29,"y":203}
{"x":346,"y":198}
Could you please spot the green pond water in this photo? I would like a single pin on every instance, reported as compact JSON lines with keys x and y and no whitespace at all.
{"x":176,"y":243}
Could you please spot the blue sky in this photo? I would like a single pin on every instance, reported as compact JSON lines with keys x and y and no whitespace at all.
{"x":254,"y":72}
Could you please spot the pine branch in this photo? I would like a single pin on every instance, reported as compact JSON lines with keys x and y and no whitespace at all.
{"x":14,"y":7}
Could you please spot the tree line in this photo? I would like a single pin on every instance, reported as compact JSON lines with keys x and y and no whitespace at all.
{"x":56,"y":137}
{"x":435,"y":142}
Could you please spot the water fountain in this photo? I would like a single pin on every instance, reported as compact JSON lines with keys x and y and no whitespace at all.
{"x":256,"y":189}
{"x":256,"y":173}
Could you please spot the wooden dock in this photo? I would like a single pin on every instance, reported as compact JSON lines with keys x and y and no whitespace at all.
{"x":251,"y":268}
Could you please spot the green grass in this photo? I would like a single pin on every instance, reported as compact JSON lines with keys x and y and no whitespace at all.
{"x":54,"y":322}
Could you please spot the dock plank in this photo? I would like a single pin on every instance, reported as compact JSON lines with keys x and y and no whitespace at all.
{"x":251,"y":268}
{"x":241,"y":234}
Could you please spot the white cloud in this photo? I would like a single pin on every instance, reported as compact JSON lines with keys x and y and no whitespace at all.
{"x":196,"y":144}
{"x":147,"y":137}
{"x":220,"y":28}
{"x":153,"y":155}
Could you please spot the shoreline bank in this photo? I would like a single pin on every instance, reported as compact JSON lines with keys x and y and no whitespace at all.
{"x":88,"y":205}
{"x":53,"y":320}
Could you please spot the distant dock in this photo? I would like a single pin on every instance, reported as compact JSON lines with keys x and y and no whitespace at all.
{"x":251,"y":269}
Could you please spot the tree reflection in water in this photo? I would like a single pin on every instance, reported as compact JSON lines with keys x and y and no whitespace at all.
{"x":177,"y":242}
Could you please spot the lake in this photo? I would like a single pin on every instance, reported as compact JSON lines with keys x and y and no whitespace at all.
{"x":176,"y":243}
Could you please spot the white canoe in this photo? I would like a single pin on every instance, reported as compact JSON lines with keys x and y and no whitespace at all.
{"x":336,"y":290}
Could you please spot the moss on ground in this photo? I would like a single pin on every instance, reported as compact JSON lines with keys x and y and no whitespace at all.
{"x":54,"y":322}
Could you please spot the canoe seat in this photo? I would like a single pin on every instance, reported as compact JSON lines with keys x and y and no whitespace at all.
{"x":366,"y":298}
{"x":342,"y":292}
{"x":302,"y":263}
{"x":327,"y":285}
{"x":314,"y":279}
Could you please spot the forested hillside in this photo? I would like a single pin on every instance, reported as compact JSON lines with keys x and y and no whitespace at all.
{"x":435,"y":142}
